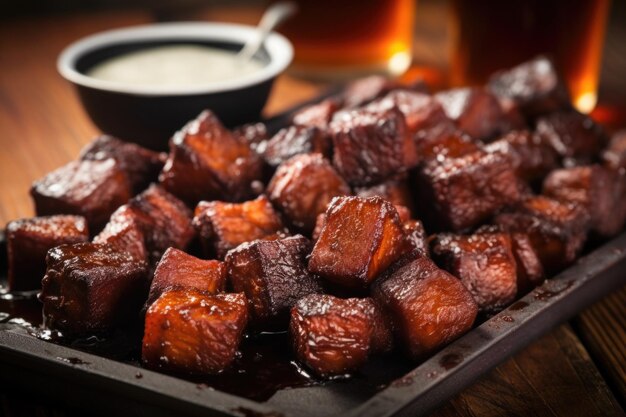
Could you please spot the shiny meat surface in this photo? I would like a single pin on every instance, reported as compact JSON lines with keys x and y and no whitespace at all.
{"x":92,"y":189}
{"x":191,"y":332}
{"x":208,"y":162}
{"x":28,"y":242}
{"x":223,"y":226}
{"x":90,"y":288}
{"x":428,"y":306}
{"x":179,"y":270}
{"x":360,"y":238}
{"x":334,"y":336}
{"x":303,"y":186}
{"x":273,"y":275}
{"x":483,"y":262}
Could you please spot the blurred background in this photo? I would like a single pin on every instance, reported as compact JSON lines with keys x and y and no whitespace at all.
{"x":447,"y":42}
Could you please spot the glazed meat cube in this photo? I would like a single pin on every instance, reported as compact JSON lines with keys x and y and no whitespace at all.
{"x":534,"y":85}
{"x":529,"y":269}
{"x":164,"y":220}
{"x":532,"y":156}
{"x":140,"y":165}
{"x":614,"y":156}
{"x":404,"y":214}
{"x":445,"y":145}
{"x":317,"y":115}
{"x":574,"y":136}
{"x":28,"y":242}
{"x":208,"y":162}
{"x":364,"y":90}
{"x":370,"y":147}
{"x":428,"y":306}
{"x":93,"y":189}
{"x":273,"y":276}
{"x":192,"y":332}
{"x":420,"y":110}
{"x":395,"y":190}
{"x":224,"y":226}
{"x":319,"y":225}
{"x":295,"y":140}
{"x":303,"y":186}
{"x":557,"y":230}
{"x":334,"y":336}
{"x":179,"y":270}
{"x":513,"y":119}
{"x":460,"y":193}
{"x":253,"y":134}
{"x":483,"y":262}
{"x":92,"y":288}
{"x":474,"y":110}
{"x":124,"y":233}
{"x":360,"y":238}
{"x":601,"y":191}
{"x":416,"y":235}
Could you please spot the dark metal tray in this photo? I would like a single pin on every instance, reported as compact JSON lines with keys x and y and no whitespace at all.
{"x":389,"y":386}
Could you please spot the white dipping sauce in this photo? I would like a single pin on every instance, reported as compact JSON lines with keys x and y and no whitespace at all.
{"x":174,"y":66}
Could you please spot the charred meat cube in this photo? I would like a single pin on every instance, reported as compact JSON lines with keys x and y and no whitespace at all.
{"x":334,"y":336}
{"x":28,"y":242}
{"x":529,"y":268}
{"x":164,"y":220}
{"x":253,"y":134}
{"x":420,"y":110}
{"x":574,"y":136}
{"x":192,"y":332}
{"x":461,"y":193}
{"x":207,"y":162}
{"x":364,"y":90}
{"x":224,"y":226}
{"x":416,"y":236}
{"x":614,"y":156}
{"x":557,"y":230}
{"x":428,"y":306}
{"x":360,"y":238}
{"x":303,"y":186}
{"x":93,"y":189}
{"x":179,"y":270}
{"x":369,"y":147}
{"x":445,"y":144}
{"x":395,"y":190}
{"x":140,"y":165}
{"x":532,"y":156}
{"x":534,"y":85}
{"x":483,"y":262}
{"x":317,"y":115}
{"x":295,"y":140}
{"x":124,"y":233}
{"x":273,"y":275}
{"x":475,"y":111}
{"x":601,"y":191}
{"x":91,"y":288}
{"x":319,"y":225}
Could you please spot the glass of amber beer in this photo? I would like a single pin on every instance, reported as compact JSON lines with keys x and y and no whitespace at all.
{"x":344,"y":38}
{"x":490,"y":35}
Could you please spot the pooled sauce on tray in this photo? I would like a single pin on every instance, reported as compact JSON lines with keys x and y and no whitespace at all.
{"x":264,"y":365}
{"x":174,"y":66}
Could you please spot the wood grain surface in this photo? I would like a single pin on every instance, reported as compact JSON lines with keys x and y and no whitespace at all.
{"x":578,"y":369}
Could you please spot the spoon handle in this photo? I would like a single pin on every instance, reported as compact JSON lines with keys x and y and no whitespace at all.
{"x":276,"y":14}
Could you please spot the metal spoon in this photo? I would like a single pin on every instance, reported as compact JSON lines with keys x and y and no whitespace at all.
{"x":272,"y":17}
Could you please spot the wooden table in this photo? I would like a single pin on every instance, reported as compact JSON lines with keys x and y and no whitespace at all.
{"x":577,"y":369}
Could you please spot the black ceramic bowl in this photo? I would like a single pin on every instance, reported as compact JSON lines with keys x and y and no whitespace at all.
{"x":149,"y":116}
